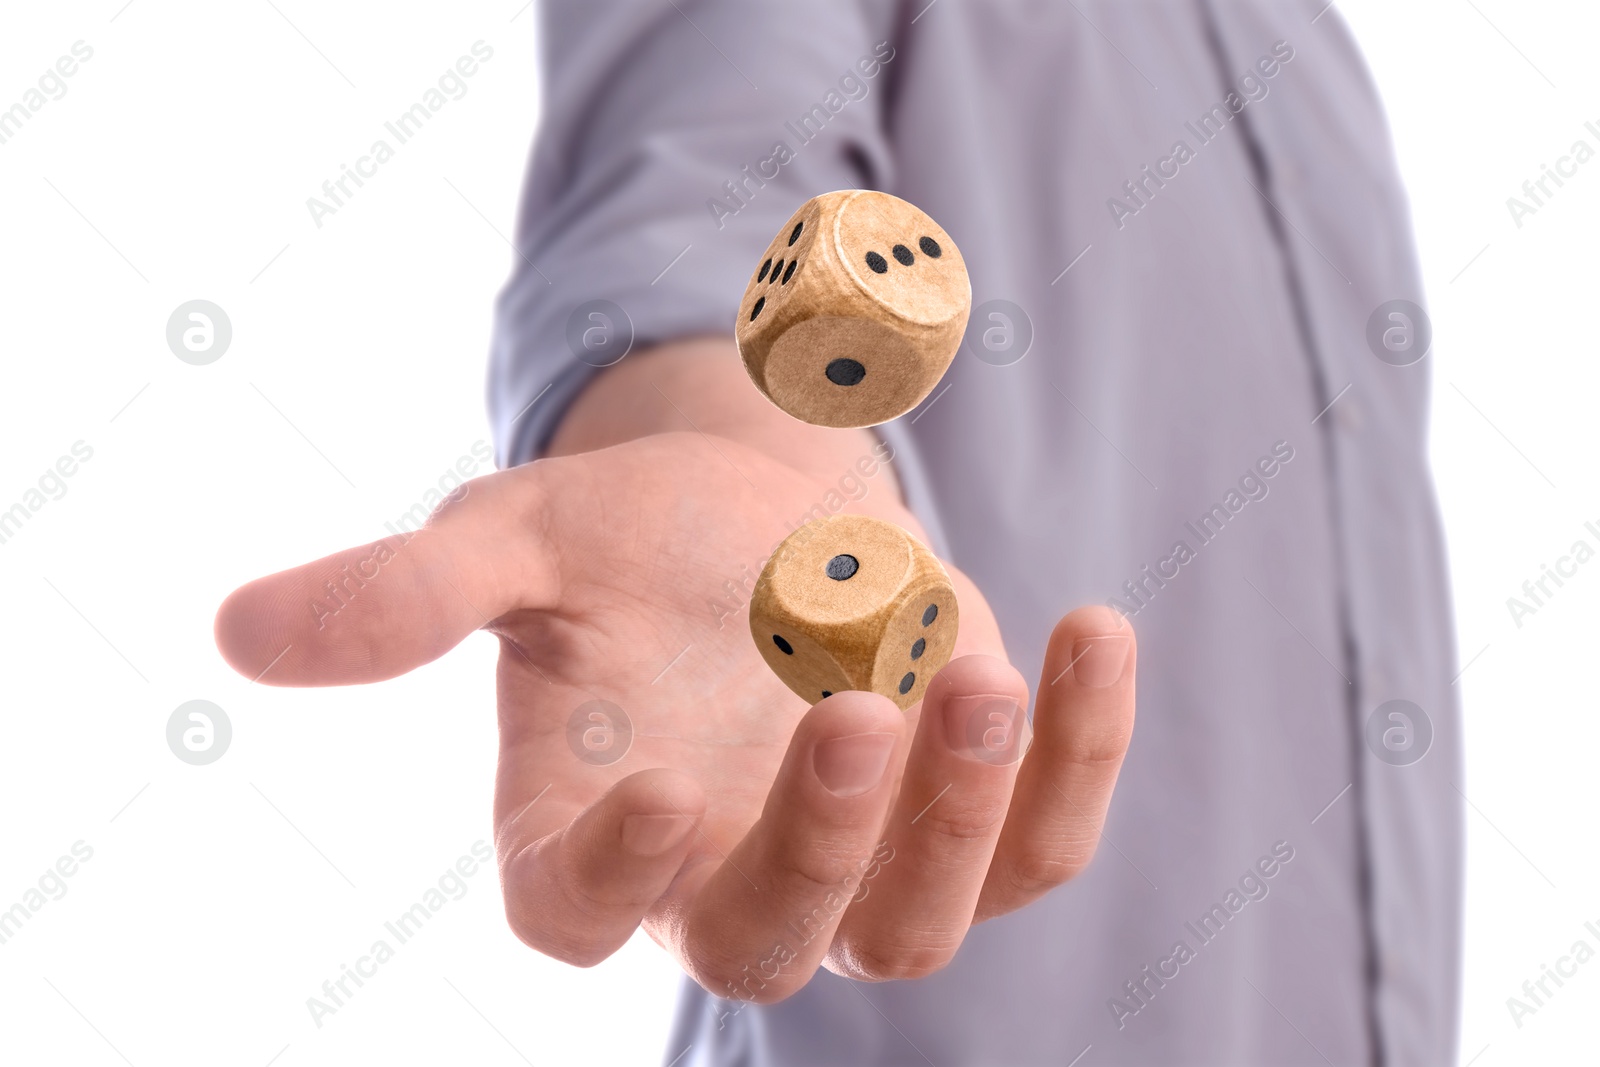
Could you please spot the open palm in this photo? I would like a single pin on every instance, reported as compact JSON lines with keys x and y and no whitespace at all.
{"x":653,"y":769}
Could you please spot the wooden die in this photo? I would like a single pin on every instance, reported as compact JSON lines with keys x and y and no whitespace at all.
{"x":855,"y":311}
{"x":848,"y":602}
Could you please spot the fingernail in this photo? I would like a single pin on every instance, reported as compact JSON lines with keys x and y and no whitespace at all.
{"x":651,"y":835}
{"x":849,"y":766}
{"x":984,"y":727}
{"x":1097,"y":661}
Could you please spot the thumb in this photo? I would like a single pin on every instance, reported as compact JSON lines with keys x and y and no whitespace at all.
{"x":384,"y":608}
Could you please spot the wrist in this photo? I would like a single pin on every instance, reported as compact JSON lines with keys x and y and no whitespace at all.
{"x":700,"y":385}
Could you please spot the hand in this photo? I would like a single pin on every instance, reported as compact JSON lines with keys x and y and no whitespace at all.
{"x":739,"y":819}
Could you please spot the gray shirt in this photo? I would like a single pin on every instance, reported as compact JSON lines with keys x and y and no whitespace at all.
{"x":1181,"y":223}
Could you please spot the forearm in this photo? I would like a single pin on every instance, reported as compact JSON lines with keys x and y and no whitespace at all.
{"x":701,"y":384}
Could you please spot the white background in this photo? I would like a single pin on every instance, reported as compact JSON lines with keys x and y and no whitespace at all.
{"x":219,"y":898}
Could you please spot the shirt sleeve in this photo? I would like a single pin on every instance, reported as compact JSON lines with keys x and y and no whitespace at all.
{"x":675,"y":138}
